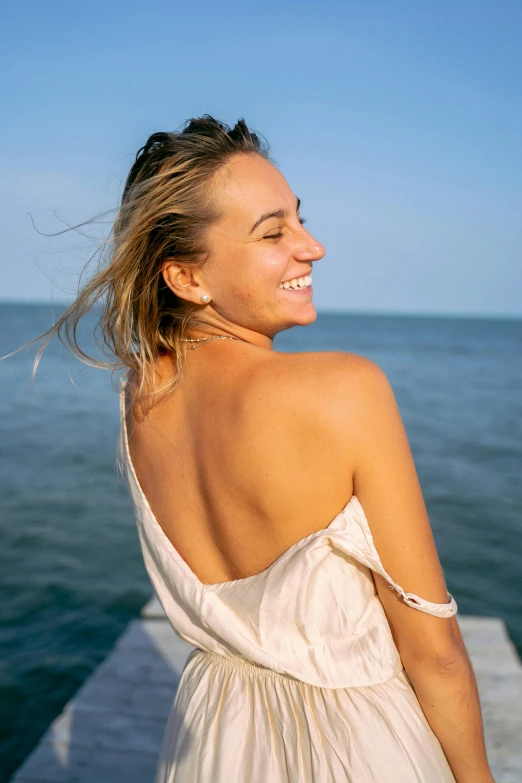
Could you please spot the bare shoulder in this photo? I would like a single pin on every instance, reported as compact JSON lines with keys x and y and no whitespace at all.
{"x":320,"y":400}
{"x":331,"y":385}
{"x":331,"y":373}
{"x":294,"y":414}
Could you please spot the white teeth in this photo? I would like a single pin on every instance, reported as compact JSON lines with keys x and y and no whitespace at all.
{"x":297,"y":282}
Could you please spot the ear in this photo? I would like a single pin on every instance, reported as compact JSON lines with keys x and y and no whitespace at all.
{"x":180,"y":279}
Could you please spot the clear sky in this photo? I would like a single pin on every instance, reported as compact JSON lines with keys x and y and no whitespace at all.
{"x":398,"y":124}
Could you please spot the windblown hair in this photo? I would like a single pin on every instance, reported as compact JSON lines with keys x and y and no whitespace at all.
{"x":166,"y":209}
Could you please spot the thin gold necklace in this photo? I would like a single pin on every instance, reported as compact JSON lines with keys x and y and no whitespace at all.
{"x":206,"y":339}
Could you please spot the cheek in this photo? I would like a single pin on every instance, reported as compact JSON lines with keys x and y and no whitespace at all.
{"x":272,"y":263}
{"x":248,"y":276}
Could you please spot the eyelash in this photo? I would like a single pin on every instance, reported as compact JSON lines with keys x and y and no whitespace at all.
{"x":279,"y":235}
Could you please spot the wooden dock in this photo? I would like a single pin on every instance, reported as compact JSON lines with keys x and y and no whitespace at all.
{"x":111,"y":731}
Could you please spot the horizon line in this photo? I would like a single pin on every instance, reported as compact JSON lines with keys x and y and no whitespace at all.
{"x":325,"y":310}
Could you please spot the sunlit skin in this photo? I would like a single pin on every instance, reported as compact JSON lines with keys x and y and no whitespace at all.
{"x":245,"y":266}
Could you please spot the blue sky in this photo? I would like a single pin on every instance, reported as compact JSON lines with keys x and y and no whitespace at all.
{"x":398,"y":124}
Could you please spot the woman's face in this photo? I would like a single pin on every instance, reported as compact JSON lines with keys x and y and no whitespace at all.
{"x":258,"y":243}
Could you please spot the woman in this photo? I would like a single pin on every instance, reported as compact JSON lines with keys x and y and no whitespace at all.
{"x":276,"y":497}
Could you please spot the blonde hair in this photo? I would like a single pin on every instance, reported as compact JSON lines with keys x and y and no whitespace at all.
{"x":165,"y":212}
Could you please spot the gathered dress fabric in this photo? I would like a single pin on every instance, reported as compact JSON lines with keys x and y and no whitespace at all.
{"x":295,"y":677}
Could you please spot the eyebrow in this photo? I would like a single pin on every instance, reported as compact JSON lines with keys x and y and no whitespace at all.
{"x":278,"y":213}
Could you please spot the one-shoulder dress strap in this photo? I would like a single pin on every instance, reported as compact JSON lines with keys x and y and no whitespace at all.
{"x":438,"y":610}
{"x":123,"y":442}
{"x":356,"y":540}
{"x":123,"y":383}
{"x":122,"y":391}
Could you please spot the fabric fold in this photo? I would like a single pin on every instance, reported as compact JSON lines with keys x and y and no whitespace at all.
{"x":359,"y":544}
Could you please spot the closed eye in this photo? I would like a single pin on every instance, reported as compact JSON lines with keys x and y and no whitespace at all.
{"x":302,"y":220}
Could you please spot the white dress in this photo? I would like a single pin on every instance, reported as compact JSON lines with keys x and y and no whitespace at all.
{"x":295,"y":677}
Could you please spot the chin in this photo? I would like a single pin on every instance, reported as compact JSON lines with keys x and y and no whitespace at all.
{"x":307,"y":315}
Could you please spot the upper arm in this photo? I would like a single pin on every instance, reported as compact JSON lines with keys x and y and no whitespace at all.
{"x":388,"y":488}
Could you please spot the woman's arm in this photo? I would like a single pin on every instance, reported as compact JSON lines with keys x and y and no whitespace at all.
{"x":431,"y":648}
{"x":441,"y":674}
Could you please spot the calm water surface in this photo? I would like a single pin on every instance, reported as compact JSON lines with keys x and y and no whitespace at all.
{"x":71,"y":573}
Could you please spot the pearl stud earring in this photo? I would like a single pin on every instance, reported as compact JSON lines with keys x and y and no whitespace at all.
{"x":204,"y":297}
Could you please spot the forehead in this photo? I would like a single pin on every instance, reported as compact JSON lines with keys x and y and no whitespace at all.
{"x":249,"y":185}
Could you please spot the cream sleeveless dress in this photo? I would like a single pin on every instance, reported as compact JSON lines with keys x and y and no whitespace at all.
{"x":295,"y":677}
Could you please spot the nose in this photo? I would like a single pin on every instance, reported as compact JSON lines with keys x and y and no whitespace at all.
{"x":310,"y":249}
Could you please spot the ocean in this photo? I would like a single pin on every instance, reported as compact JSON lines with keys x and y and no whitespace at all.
{"x":71,"y":573}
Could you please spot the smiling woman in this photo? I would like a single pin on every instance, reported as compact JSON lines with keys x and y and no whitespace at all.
{"x":257,"y":243}
{"x":277,"y":503}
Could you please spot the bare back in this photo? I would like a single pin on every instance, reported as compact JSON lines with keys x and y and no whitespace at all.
{"x":243,"y":459}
